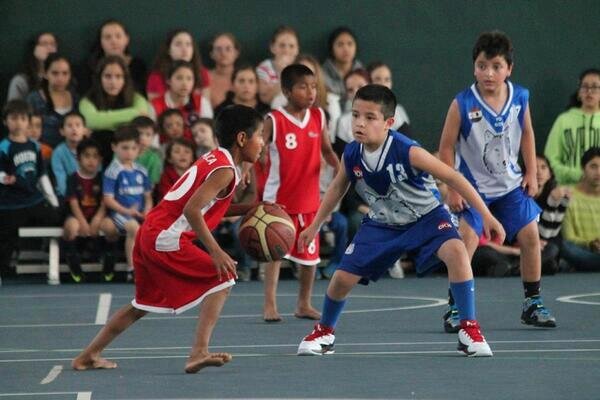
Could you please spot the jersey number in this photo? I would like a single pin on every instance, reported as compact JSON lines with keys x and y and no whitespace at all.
{"x":399,"y":169}
{"x":181,"y":187}
{"x":290,"y":141}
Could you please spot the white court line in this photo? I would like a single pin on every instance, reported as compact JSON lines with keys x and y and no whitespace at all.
{"x":103,"y":308}
{"x":80,"y":395}
{"x":574,"y":299}
{"x":54,"y":372}
{"x":257,"y":346}
{"x":372,"y":353}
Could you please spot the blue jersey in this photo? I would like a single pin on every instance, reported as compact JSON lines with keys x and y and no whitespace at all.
{"x":128,"y":186}
{"x":396,"y":193}
{"x":488,"y":144}
{"x":24,"y":162}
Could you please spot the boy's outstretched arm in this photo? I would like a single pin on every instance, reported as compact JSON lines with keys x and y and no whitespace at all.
{"x":208,"y":191}
{"x":327,"y":151}
{"x":528,"y":153}
{"x":424,"y":161}
{"x":335,"y":192}
{"x":446,"y":150}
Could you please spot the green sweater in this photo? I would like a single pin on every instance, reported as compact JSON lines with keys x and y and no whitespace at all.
{"x":110,"y":120}
{"x":582,"y":220}
{"x":153,"y":162}
{"x":571,"y":135}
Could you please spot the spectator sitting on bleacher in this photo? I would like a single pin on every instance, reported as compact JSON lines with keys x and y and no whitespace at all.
{"x":127,"y":196}
{"x":85,"y":207}
{"x":150,"y":156}
{"x":64,"y":156}
{"x":21,"y":171}
{"x":35,"y":133}
{"x":180,"y":155}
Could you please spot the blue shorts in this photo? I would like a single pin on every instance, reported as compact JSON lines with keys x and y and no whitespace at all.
{"x":120,"y":220}
{"x":514,"y":210}
{"x":377,"y":246}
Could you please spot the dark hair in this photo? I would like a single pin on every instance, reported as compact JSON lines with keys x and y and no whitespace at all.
{"x":166,"y":114}
{"x":31,"y":65}
{"x":97,"y":52}
{"x":589,"y":154}
{"x":233,"y":120}
{"x":52,"y":58}
{"x":182,"y":142}
{"x":206,"y":121}
{"x":281,"y":29}
{"x":16,"y":107}
{"x":243,"y":66}
{"x":360,"y":72}
{"x":98,"y":96}
{"x":37,"y":114}
{"x":230,"y":36}
{"x":163,"y":59}
{"x":70,"y":114}
{"x":381,"y":95}
{"x":340,"y":30}
{"x":492,"y":44}
{"x":376,"y":65}
{"x":177,"y":64}
{"x":87,"y":143}
{"x":574,"y":100}
{"x":125,"y":133}
{"x":292,"y":74}
{"x":542,"y":199}
{"x":142,"y":122}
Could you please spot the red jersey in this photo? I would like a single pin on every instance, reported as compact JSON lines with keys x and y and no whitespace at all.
{"x":295,"y":157}
{"x":191,"y":110}
{"x":166,"y":223}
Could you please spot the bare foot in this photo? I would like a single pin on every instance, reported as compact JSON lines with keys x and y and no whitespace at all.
{"x":271,"y":316}
{"x":307,"y":313}
{"x":206,"y":360}
{"x":81,"y":363}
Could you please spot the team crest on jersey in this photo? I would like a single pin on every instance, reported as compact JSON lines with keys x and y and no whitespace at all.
{"x":444,"y":225}
{"x":475,"y":114}
{"x":312,"y":134}
{"x":357,"y":172}
{"x":139,"y":179}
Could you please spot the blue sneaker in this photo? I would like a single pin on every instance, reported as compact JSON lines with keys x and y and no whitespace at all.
{"x":536,"y":314}
{"x":451,"y":319}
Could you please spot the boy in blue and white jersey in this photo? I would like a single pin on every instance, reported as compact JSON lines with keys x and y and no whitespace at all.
{"x":487,"y":126}
{"x":127,"y":195}
{"x":393,"y":176}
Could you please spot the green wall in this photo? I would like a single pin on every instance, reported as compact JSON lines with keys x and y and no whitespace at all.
{"x":427,"y":43}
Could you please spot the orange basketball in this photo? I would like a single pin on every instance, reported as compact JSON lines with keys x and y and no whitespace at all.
{"x":267,"y":233}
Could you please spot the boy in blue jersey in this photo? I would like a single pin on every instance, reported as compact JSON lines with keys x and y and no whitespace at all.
{"x":24,"y":185}
{"x":392,"y":175}
{"x":486,"y":127}
{"x":127,"y":195}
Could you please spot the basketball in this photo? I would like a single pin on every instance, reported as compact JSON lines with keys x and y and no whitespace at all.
{"x":267,"y":233}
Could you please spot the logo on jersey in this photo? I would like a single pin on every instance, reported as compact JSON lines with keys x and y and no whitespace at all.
{"x":475,"y":114}
{"x":357,"y":172}
{"x":312,"y":134}
{"x":444,"y":225}
{"x":350,"y":249}
{"x":139,"y":179}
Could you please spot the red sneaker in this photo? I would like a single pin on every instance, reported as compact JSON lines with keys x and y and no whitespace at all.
{"x":319,"y":342}
{"x":471,"y":341}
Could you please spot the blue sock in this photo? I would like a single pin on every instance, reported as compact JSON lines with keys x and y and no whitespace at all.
{"x":464,"y":298}
{"x":331,"y":311}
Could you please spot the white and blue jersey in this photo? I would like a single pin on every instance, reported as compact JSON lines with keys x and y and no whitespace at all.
{"x":126,"y":185}
{"x":405,"y":212}
{"x":395,"y":192}
{"x":488,"y":144}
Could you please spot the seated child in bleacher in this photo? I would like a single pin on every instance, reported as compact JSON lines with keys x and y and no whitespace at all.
{"x":180,"y":155}
{"x":204,"y":136}
{"x":170,"y":126}
{"x":150,"y":157}
{"x":127,"y":196}
{"x":21,"y":173}
{"x":64,"y":156}
{"x":84,"y":206}
{"x":35,"y":133}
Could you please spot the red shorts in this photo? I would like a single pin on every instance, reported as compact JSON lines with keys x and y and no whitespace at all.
{"x":173,"y":281}
{"x":310,"y":255}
